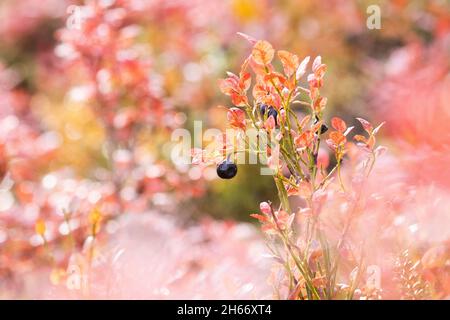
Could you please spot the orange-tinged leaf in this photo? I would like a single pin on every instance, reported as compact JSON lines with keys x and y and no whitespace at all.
{"x":338,"y":124}
{"x":236,"y":118}
{"x":291,"y":190}
{"x":360,"y":138}
{"x":305,"y":120}
{"x":289,"y":61}
{"x":259,"y":69}
{"x":320,"y":104}
{"x":259,"y":217}
{"x":227,"y":86}
{"x":263,"y":92}
{"x":245,"y":81}
{"x":304,"y":140}
{"x":319,"y":281}
{"x":277,"y":78}
{"x":259,"y":91}
{"x":269,"y":228}
{"x":263,"y":52}
{"x":337,"y":137}
{"x":239,"y":100}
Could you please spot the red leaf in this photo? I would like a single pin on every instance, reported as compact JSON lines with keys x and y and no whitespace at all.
{"x":260,"y":217}
{"x":236,"y":118}
{"x":291,"y":190}
{"x":304,"y":140}
{"x":245,"y":81}
{"x":338,"y":124}
{"x":239,"y":100}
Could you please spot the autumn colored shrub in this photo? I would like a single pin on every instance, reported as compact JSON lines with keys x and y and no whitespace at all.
{"x":348,"y":238}
{"x":51,"y":214}
{"x":292,"y":117}
{"x":94,"y":203}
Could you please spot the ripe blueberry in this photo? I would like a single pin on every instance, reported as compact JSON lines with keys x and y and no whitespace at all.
{"x":323,"y":128}
{"x":274,"y":113}
{"x":227,"y":169}
{"x":263,"y":108}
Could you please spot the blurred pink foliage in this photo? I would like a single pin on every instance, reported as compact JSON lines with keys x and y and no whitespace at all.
{"x":152,"y":257}
{"x":414,"y":98}
{"x":46,"y":212}
{"x":395,"y":214}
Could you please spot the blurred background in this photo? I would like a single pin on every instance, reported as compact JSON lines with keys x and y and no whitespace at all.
{"x":86,"y":117}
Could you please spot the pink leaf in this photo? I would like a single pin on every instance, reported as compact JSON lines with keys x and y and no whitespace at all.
{"x":247,"y":37}
{"x":317,"y":63}
{"x":302,"y":68}
{"x":366,"y":125}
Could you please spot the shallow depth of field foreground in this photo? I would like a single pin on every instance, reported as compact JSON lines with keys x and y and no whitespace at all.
{"x":224,"y":149}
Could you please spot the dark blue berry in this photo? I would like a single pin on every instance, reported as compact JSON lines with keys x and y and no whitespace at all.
{"x":271,"y":111}
{"x":323,"y":128}
{"x":263,"y":109}
{"x":274,"y":113}
{"x":227,"y":169}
